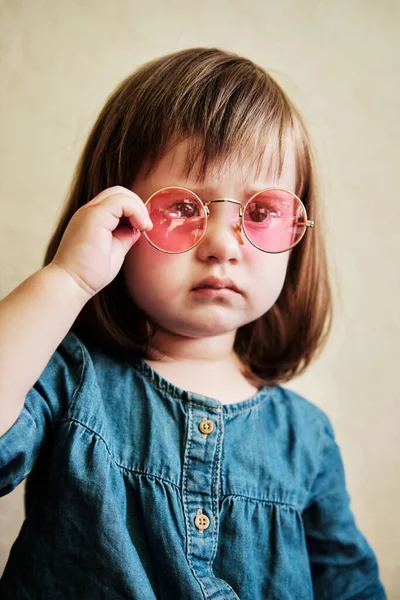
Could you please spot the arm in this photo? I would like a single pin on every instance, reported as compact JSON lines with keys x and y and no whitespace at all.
{"x":343,"y":565}
{"x":36,"y":316}
{"x":34,"y":319}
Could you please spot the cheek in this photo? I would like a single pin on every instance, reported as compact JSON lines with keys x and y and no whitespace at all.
{"x":143,"y":259}
{"x":139,"y":266}
{"x":268,"y":273}
{"x":271,"y":265}
{"x":151,"y":274}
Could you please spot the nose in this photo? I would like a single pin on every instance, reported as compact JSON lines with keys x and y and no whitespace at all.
{"x":223,"y":239}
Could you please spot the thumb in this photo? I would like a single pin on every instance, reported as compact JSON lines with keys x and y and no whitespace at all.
{"x":127,"y":237}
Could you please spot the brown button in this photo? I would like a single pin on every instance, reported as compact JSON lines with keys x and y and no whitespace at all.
{"x":206,"y":426}
{"x":201,"y":521}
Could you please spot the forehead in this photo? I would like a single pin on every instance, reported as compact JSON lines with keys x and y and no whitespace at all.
{"x":262,"y":168}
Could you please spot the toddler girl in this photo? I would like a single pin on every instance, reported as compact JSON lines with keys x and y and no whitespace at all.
{"x":142,"y":367}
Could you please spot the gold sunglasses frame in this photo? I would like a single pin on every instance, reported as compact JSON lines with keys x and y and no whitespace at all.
{"x":242,"y":210}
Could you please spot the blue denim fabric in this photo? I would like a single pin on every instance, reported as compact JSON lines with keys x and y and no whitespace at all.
{"x":118,"y":468}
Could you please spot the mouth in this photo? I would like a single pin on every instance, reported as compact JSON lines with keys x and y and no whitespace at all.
{"x":217,"y":284}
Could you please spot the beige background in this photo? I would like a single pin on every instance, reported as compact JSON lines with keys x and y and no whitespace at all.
{"x":339,"y":61}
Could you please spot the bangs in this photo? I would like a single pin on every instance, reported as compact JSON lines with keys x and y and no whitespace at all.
{"x":244,"y":122}
{"x":265,"y":154}
{"x":225,"y":107}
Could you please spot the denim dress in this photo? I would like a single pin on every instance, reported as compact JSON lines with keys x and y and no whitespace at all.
{"x":137,"y":489}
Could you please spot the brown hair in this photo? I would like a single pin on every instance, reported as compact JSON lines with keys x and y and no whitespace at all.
{"x":226,"y":105}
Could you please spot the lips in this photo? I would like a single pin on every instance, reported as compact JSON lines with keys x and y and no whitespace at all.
{"x":217,"y":283}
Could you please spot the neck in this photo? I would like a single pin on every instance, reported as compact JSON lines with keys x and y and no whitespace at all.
{"x":170,"y":347}
{"x":210,"y":365}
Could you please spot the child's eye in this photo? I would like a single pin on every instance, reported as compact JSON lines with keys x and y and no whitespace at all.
{"x":183,"y":209}
{"x":260,"y":213}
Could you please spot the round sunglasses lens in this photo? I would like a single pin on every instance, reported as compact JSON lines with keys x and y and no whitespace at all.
{"x":178,"y":217}
{"x":274,"y":220}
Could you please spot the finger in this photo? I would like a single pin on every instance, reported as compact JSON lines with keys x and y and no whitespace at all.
{"x":111,"y":191}
{"x":121,"y":206}
{"x":118,"y":191}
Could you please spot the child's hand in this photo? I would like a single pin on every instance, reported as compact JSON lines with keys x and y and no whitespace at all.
{"x":93,"y":247}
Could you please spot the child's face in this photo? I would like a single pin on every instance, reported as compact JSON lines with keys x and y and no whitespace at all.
{"x":163,"y":285}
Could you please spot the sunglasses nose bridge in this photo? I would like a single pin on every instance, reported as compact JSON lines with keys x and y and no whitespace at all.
{"x":220,"y":200}
{"x":239,"y":223}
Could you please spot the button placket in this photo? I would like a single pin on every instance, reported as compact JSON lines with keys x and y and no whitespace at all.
{"x":201,"y":491}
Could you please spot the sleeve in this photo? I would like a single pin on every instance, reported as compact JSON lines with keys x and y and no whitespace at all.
{"x":44,"y":406}
{"x":343,"y":565}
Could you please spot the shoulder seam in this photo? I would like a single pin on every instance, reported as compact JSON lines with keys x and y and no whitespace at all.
{"x":78,"y":387}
